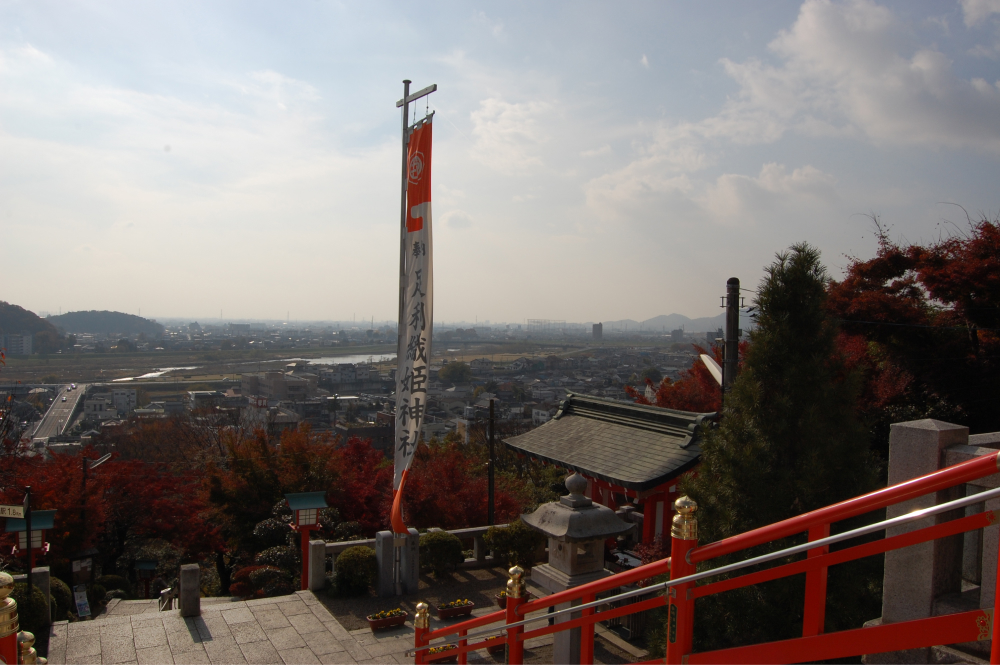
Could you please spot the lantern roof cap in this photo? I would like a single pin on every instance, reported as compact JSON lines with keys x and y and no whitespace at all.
{"x":40,"y":519}
{"x":306,"y":500}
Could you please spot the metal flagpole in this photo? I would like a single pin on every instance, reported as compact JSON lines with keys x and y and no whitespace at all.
{"x":402,"y":223}
{"x":401,"y":342}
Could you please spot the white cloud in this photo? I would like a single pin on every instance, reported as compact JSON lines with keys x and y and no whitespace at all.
{"x":976,"y":11}
{"x":840,"y":72}
{"x":457,"y":219}
{"x":508,"y":135}
{"x":644,"y":61}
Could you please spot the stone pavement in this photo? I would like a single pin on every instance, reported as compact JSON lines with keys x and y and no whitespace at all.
{"x":282,"y":630}
{"x":286,"y":630}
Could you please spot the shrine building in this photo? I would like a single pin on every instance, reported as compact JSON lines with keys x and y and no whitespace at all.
{"x":629,"y":453}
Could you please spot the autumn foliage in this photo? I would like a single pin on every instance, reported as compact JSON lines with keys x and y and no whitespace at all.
{"x":923,"y":323}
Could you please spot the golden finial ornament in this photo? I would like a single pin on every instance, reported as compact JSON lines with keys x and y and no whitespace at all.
{"x":685,"y":525}
{"x":515,"y":585}
{"x":25,"y":641}
{"x":423,"y":617}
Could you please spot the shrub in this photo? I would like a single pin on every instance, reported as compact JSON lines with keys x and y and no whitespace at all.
{"x":263,"y":576}
{"x":30,"y":617}
{"x":95,"y":597}
{"x":277,"y":588}
{"x":62,"y":596}
{"x":280,"y":557}
{"x":114,"y":593}
{"x":440,"y":551}
{"x":514,"y":544}
{"x":356,"y":570}
{"x":240,"y":584}
{"x":115,"y":582}
{"x":271,"y":532}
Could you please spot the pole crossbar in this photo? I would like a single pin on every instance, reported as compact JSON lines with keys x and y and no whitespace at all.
{"x":407,"y":98}
{"x":764,"y":558}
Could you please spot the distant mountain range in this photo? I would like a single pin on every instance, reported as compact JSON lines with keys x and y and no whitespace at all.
{"x":106,"y":323}
{"x":668,"y":322}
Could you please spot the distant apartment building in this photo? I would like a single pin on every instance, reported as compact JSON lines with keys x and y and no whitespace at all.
{"x":123,"y":400}
{"x":677,"y":335}
{"x":99,"y":408}
{"x":598,"y":332}
{"x":710,"y":337}
{"x":277,"y":385}
{"x":17,"y":344}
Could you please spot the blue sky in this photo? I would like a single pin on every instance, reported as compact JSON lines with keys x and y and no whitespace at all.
{"x":593,"y":161}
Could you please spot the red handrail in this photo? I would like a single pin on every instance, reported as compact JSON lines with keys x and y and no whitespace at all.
{"x":963,"y":472}
{"x":680,"y":600}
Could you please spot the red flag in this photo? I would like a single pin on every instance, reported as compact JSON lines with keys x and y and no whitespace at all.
{"x":396,"y":517}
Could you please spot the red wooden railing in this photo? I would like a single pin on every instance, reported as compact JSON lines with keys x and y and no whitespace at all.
{"x":682,"y":589}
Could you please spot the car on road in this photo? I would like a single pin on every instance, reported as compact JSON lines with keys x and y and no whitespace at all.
{"x":72,"y":386}
{"x":64,"y":398}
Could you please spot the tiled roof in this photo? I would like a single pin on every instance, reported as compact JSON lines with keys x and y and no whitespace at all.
{"x":634,"y":446}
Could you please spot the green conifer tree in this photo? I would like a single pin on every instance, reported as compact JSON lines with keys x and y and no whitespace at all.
{"x":789,"y":442}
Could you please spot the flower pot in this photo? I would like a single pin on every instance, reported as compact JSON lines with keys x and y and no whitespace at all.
{"x":376,"y":624}
{"x":446,"y":656}
{"x":496,"y":644}
{"x":452,"y":612}
{"x":501,"y":601}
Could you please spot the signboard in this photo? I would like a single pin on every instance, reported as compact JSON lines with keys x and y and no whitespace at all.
{"x":82,"y":570}
{"x":80,"y":596}
{"x":16,"y":512}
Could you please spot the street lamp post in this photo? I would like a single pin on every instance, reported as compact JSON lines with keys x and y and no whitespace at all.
{"x":305,"y":508}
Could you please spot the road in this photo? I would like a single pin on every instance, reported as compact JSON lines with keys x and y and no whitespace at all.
{"x":59,"y":416}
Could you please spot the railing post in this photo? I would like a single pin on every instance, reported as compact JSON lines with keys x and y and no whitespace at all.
{"x":680,"y":617}
{"x":515,"y":598}
{"x":463,"y":658}
{"x":814,"y":612}
{"x":587,"y":633}
{"x":421,"y":626}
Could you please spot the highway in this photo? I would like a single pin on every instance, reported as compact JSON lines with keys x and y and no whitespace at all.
{"x":59,"y":415}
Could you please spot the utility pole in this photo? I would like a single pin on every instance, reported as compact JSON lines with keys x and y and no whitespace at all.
{"x":491,"y":499}
{"x":730,"y":363}
{"x":27,"y":533}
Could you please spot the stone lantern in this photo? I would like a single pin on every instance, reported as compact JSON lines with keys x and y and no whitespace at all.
{"x":576,"y":528}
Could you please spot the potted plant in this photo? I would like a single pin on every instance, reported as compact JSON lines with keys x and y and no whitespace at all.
{"x":495,"y":644}
{"x":440,"y":654}
{"x":502,"y":599}
{"x":387,"y":618}
{"x":456,"y":608}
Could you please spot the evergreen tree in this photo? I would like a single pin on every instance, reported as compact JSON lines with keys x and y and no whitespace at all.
{"x":789,"y":442}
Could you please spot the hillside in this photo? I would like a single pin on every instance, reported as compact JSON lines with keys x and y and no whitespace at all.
{"x":104,"y":322}
{"x":15,"y":319}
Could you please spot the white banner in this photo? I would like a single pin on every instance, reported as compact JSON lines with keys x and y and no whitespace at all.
{"x":412,"y":372}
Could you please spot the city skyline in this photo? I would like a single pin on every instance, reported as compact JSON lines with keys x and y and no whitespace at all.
{"x":592,"y":161}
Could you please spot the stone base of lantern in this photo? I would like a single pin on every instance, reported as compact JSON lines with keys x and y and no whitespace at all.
{"x":566,"y":647}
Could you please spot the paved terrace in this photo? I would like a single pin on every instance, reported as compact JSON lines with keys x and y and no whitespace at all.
{"x":284,"y":630}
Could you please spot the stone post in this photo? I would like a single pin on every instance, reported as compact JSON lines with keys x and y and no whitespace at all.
{"x":317,"y":564}
{"x":479,"y":549}
{"x":409,"y":562}
{"x":916,"y":576}
{"x":385,"y":554}
{"x":42,"y":578}
{"x":190,"y":597}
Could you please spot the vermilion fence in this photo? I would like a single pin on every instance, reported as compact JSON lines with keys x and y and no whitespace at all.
{"x":511,"y":625}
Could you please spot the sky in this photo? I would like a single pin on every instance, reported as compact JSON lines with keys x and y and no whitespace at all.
{"x":592,"y":160}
